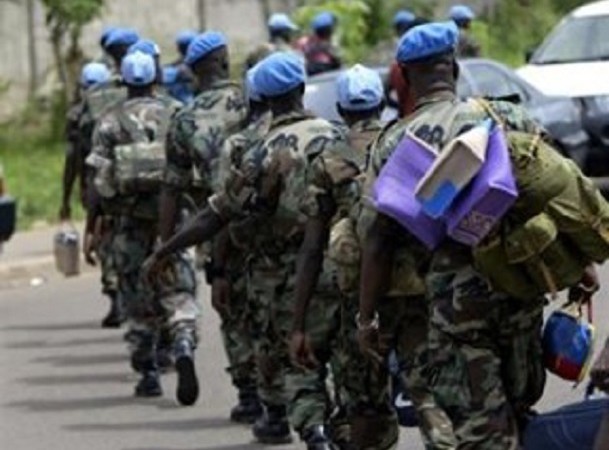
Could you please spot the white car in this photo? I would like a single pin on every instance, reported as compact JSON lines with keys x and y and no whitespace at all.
{"x":573,"y":61}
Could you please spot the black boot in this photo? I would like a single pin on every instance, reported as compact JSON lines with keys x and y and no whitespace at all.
{"x":317,"y":438}
{"x":114,"y":318}
{"x":150,"y":383}
{"x":273,"y":427}
{"x":249,"y":407}
{"x":188,"y":384}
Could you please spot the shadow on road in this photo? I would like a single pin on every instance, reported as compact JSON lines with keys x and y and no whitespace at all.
{"x":35,"y":344}
{"x":41,"y":405}
{"x":83,"y":360}
{"x":85,"y":378}
{"x":165,"y":425}
{"x":75,"y":326}
{"x":248,"y":446}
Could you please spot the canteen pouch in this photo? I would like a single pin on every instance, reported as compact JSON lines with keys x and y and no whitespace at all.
{"x":66,"y":244}
{"x":490,"y":260}
{"x":546,"y":256}
{"x":490,"y":195}
{"x":139,"y":167}
{"x":568,"y":343}
{"x":530,"y":260}
{"x":344,"y":250}
{"x":393,"y":192}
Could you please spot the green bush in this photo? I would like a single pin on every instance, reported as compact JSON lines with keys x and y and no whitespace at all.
{"x":33,"y":158}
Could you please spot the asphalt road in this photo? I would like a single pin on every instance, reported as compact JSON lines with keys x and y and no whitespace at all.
{"x":65,"y":384}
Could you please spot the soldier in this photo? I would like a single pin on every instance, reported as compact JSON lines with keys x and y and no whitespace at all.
{"x":194,"y":143}
{"x":93,"y":74}
{"x":320,"y":53}
{"x":467,"y":47}
{"x":486,"y":368}
{"x":98,"y":235}
{"x":333,"y":192}
{"x":270,"y":183}
{"x":230,"y":296}
{"x":281,"y":34}
{"x":178,"y":79}
{"x":128,"y":162}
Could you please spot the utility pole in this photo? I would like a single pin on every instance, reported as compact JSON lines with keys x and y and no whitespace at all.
{"x":31,"y":46}
{"x":202,"y":14}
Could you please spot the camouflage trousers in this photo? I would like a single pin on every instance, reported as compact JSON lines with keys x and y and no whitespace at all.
{"x":236,"y":330}
{"x":168,"y":304}
{"x":109,"y":275}
{"x":404,"y":324}
{"x":279,"y":383}
{"x":486,"y":356}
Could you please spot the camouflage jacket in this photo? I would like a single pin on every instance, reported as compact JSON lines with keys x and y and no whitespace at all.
{"x":437,"y":120}
{"x":150,"y":116}
{"x":264,"y":50}
{"x":272,"y":181}
{"x":467,"y":46}
{"x":197,"y":134}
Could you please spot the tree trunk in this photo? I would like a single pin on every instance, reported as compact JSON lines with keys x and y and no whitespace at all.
{"x":265,"y":9}
{"x":202,"y":14}
{"x":31,"y":45}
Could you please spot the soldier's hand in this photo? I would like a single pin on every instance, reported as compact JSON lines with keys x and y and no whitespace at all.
{"x":372,"y":344}
{"x":301,"y":351}
{"x":220,"y":295}
{"x":153,"y":267}
{"x":89,"y":249}
{"x":587,"y":287}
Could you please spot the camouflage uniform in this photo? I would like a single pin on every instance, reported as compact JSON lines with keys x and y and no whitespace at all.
{"x":273,"y":205}
{"x":486,"y":368}
{"x":196,"y":138}
{"x":95,"y":101}
{"x":236,"y":325}
{"x":171,"y":300}
{"x":264,"y":50}
{"x":467,"y":46}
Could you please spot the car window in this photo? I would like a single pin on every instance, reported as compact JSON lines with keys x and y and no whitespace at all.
{"x":493,"y":82}
{"x":576,"y":39}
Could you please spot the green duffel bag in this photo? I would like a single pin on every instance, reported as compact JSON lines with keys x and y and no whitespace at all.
{"x":541,"y":174}
{"x":582,"y":214}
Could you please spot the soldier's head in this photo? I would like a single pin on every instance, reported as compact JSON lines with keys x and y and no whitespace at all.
{"x":403,"y":21}
{"x":281,"y":28}
{"x":207,"y":56}
{"x":138,"y":71}
{"x":280,"y":80}
{"x":93,"y":74}
{"x":105,"y":34}
{"x":360,"y":94}
{"x":183,"y":40}
{"x":150,"y":48}
{"x":324,"y":24}
{"x":118,"y":42}
{"x":257,"y":104}
{"x":426,"y":55}
{"x":462,"y":15}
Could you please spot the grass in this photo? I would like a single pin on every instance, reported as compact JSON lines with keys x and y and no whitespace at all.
{"x":33,"y":167}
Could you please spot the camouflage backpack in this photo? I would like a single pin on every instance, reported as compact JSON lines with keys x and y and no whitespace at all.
{"x":139,"y":165}
{"x":99,"y":98}
{"x":559,"y":224}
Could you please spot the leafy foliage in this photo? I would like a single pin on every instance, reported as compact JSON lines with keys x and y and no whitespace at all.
{"x":352,"y":16}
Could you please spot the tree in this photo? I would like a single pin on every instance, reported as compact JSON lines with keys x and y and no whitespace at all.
{"x":65,"y":20}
